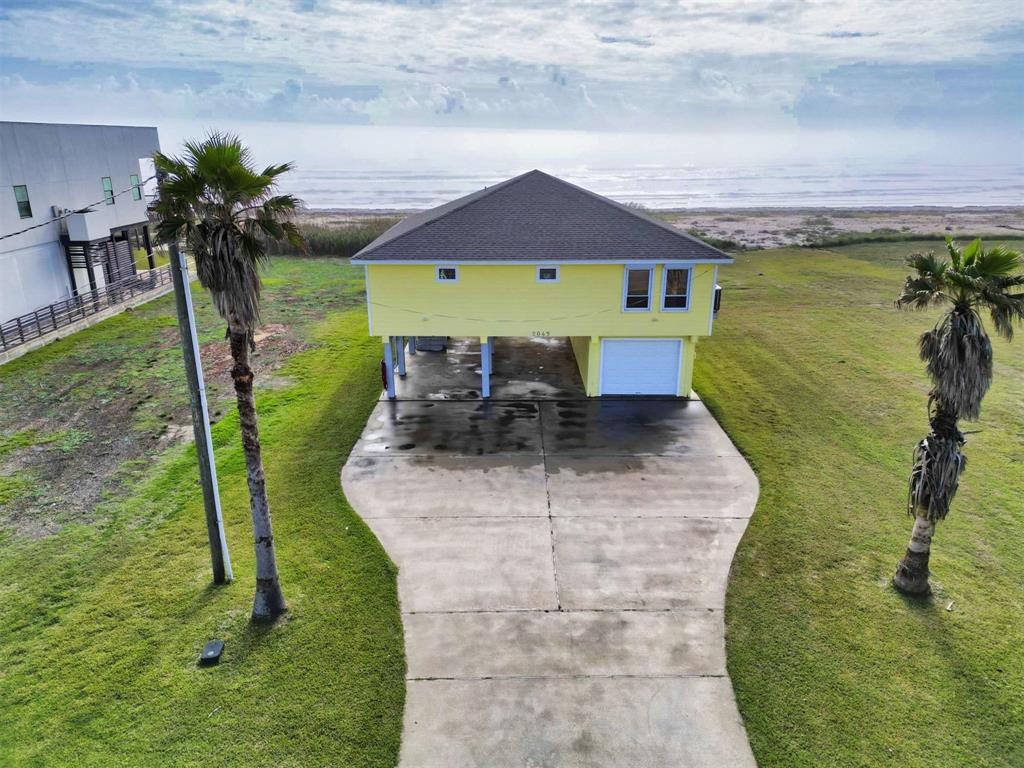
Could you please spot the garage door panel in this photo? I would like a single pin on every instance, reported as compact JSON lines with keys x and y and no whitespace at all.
{"x":640,"y":366}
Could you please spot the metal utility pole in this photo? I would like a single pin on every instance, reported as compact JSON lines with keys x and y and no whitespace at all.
{"x":200,"y":417}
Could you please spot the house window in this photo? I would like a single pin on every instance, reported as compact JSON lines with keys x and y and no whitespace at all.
{"x":547,"y":274}
{"x":447,"y":274}
{"x":24,"y":206}
{"x":136,"y":189}
{"x":108,"y":190}
{"x":637,"y":289}
{"x":677,"y":289}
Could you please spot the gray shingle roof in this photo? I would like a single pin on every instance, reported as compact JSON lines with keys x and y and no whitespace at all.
{"x":535,"y":217}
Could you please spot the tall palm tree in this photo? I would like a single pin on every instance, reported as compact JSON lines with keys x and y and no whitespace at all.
{"x":225,"y":210}
{"x":958,"y":354}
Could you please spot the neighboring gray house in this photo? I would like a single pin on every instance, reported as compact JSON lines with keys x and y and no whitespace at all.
{"x":48,"y":169}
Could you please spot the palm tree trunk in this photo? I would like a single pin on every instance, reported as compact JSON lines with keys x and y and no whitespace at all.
{"x":912,"y":572}
{"x":269,"y":602}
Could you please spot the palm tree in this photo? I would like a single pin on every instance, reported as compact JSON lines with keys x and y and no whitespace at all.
{"x":225,"y":210}
{"x":958,"y":354}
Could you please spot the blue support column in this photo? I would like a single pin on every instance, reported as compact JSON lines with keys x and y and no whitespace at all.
{"x":412,"y":345}
{"x":401,"y":356}
{"x":485,"y":368}
{"x":389,"y":368}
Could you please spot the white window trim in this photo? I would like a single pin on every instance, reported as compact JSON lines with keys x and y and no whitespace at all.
{"x":650,"y":286}
{"x":558,"y":273}
{"x":437,"y":273}
{"x":689,"y":286}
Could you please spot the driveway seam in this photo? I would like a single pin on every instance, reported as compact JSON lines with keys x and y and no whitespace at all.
{"x":700,"y":609}
{"x":560,"y":517}
{"x":568,"y":677}
{"x":547,"y":495}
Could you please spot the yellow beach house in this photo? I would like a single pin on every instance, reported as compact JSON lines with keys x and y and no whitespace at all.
{"x":537,"y":256}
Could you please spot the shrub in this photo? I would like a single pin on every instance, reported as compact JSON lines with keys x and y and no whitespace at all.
{"x":336,"y":239}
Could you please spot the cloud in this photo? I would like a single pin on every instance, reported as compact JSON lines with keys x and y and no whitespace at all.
{"x":641,"y":42}
{"x":841,"y":34}
{"x":861,"y":94}
{"x":447,"y":101}
{"x":534,"y":63}
{"x":556,"y":75}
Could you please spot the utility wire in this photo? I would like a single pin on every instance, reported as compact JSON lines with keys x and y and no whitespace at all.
{"x":84,"y":209}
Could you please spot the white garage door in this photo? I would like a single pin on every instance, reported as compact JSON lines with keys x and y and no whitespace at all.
{"x":640,"y":366}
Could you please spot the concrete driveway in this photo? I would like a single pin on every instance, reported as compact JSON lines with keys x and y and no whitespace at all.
{"x":562,"y":576}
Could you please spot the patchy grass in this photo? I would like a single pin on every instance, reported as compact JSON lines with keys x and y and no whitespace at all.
{"x":13,"y":441}
{"x":102,"y":618}
{"x":115,"y":395}
{"x":889,"y":235}
{"x":815,"y":376}
{"x":14,"y":487}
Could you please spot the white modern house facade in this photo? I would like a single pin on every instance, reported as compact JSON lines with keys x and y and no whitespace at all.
{"x":47,"y":170}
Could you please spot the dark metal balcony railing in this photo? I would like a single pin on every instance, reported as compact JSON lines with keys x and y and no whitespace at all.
{"x":61,"y":314}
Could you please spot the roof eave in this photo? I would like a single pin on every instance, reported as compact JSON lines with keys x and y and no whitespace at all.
{"x":726,"y":259}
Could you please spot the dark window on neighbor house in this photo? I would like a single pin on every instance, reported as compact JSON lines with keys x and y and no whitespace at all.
{"x":136,"y":189}
{"x":677,"y":288}
{"x":547,"y":274}
{"x":108,"y":190}
{"x":24,"y":206}
{"x":447,"y":274}
{"x":638,"y":288}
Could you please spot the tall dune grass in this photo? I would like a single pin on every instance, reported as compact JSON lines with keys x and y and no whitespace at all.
{"x":336,"y":239}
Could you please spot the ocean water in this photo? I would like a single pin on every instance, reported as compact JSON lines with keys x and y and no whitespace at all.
{"x":806,"y":185}
{"x":405,"y":167}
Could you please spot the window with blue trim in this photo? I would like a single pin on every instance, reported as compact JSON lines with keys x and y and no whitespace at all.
{"x":677,"y":288}
{"x":637,"y":289}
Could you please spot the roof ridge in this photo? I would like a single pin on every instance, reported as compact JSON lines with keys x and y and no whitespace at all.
{"x":638,"y":214}
{"x":468,"y":199}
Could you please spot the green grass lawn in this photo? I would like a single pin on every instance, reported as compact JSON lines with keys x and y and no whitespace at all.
{"x":815,"y":376}
{"x":102,"y":619}
{"x":160,"y":258}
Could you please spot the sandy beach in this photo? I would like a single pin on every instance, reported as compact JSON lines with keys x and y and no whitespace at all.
{"x":777,"y":227}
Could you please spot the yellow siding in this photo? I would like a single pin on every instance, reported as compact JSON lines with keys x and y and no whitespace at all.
{"x":507,"y":300}
{"x":686,"y":374}
{"x":587,"y":350}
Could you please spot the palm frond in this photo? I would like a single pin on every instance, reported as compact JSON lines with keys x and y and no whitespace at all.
{"x":996,"y":262}
{"x":969,"y":254}
{"x":958,"y":354}
{"x":1005,"y":308}
{"x":927,"y":287}
{"x":224,"y":209}
{"x":954,"y":252}
{"x":935,"y":476}
{"x":273,"y":171}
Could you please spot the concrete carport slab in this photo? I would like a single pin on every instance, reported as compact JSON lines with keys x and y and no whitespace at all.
{"x":562,"y":572}
{"x":523,"y":368}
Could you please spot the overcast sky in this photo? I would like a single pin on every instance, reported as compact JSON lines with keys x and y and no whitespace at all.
{"x":611,"y":64}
